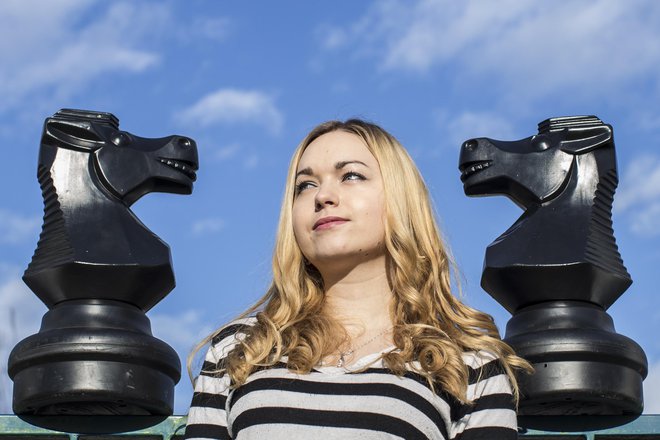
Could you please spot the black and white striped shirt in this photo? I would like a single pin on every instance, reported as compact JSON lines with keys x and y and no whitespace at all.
{"x":344,"y":403}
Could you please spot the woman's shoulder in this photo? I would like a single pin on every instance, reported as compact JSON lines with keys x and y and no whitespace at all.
{"x":228,"y":336}
{"x":483,"y":365}
{"x":233,"y":328}
{"x":478,"y":359}
{"x":486,"y":374}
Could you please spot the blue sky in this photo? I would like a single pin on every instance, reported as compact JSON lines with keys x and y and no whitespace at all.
{"x":247,"y":80}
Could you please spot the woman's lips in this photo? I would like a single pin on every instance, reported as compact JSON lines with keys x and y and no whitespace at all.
{"x":328,"y":222}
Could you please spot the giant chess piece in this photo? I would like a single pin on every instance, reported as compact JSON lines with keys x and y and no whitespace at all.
{"x":557,"y":268}
{"x":99,"y":269}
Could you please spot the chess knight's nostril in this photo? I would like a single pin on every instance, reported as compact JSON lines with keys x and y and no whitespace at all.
{"x":471,"y":144}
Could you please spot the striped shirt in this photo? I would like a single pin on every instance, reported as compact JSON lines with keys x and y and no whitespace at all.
{"x":362,"y":401}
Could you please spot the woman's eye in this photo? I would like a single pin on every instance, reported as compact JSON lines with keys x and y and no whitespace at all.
{"x":302,"y":186}
{"x":352,"y":175}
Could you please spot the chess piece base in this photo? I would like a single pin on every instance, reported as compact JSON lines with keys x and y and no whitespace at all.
{"x":582,"y":366}
{"x":94,"y":357}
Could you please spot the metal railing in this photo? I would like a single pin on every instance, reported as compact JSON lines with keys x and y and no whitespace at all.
{"x":646,"y":427}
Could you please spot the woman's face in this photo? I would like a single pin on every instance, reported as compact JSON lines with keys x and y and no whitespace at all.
{"x":339,"y":207}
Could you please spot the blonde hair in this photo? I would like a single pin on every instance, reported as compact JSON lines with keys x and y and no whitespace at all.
{"x":431,"y":325}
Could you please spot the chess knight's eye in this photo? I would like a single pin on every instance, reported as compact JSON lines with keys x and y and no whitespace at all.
{"x":121,"y":139}
{"x":540,"y":143}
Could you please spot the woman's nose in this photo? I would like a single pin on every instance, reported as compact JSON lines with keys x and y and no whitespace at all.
{"x":325,"y":196}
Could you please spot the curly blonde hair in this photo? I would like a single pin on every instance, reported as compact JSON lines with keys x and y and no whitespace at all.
{"x":431,"y":325}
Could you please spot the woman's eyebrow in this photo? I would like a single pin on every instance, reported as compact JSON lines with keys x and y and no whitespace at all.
{"x":343,"y":163}
{"x":305,"y":172}
{"x":338,"y":166}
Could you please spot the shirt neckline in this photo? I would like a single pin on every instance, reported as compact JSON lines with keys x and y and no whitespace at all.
{"x":358,"y":365}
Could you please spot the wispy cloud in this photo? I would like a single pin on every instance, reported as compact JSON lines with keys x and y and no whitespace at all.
{"x":640,"y":182}
{"x":331,"y":37}
{"x":212,"y":28}
{"x":646,"y":222}
{"x":251,"y":161}
{"x":237,"y":153}
{"x":57,"y":48}
{"x":16,"y":228}
{"x":537,"y":46}
{"x":20,"y":309}
{"x":207,"y":226}
{"x":652,"y":390}
{"x":227,"y":152}
{"x":638,"y":197}
{"x":20,"y":316}
{"x":462,"y":126}
{"x":182,"y":331}
{"x":235,"y":106}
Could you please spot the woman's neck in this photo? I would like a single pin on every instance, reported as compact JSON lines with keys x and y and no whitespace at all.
{"x":360,"y":298}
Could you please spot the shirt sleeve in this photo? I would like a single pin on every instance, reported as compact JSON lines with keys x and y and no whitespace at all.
{"x":207,"y":418}
{"x":492,"y":413}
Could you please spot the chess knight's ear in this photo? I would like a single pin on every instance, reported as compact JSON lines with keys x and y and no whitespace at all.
{"x":79,"y":135}
{"x":583,"y":140}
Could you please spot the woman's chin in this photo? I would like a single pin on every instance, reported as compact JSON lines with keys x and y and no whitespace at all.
{"x":346,"y":260}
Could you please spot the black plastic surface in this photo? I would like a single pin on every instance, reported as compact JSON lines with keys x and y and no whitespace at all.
{"x":557,"y":268}
{"x":99,"y":269}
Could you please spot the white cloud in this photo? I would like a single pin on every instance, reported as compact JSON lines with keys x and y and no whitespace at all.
{"x":649,"y":122}
{"x":20,"y":316}
{"x":537,"y":46}
{"x":182,"y":331}
{"x":638,"y":196}
{"x":207,"y":226}
{"x":249,"y":157}
{"x":251,"y":161}
{"x":55,"y":48}
{"x":213,"y":28}
{"x":652,"y":390}
{"x":468,"y":124}
{"x":226,"y":152}
{"x":232,"y":106}
{"x":646,"y":222}
{"x":640,"y":182}
{"x":331,"y":37}
{"x":15,"y":228}
{"x":20,"y":309}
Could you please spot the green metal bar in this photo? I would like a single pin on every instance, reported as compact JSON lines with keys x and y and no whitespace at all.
{"x":166,"y":429}
{"x":591,"y":427}
{"x":570,"y":427}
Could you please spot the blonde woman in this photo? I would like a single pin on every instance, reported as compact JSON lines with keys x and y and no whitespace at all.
{"x":359,"y":334}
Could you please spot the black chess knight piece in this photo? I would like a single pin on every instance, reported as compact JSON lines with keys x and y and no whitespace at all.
{"x":99,"y":269}
{"x":557,"y":268}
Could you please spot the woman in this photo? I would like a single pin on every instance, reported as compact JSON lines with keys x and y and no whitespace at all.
{"x":359,"y":335}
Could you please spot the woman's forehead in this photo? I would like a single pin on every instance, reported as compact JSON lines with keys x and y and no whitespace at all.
{"x":333,"y":147}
